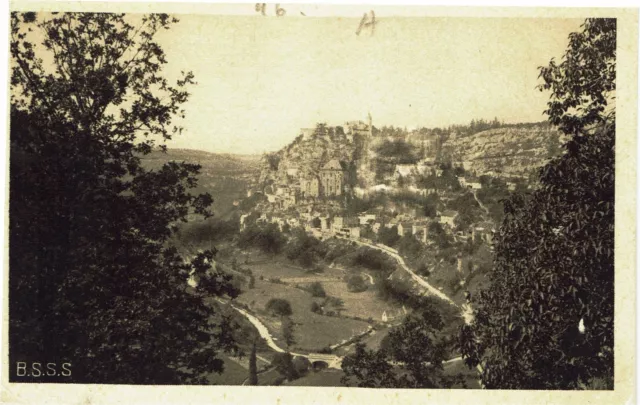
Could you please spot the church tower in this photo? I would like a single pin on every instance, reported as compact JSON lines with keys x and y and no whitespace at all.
{"x":367,"y":141}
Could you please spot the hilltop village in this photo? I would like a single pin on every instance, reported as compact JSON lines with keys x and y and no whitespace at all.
{"x":354,"y":180}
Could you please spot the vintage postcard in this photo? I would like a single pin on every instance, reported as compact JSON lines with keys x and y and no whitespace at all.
{"x":310,"y":203}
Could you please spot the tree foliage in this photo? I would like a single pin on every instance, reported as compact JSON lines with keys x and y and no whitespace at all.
{"x":317,"y":290}
{"x":355,"y":283}
{"x":388,"y":236}
{"x":267,"y":238}
{"x":93,"y":280}
{"x":410,"y":356}
{"x":546,"y":321}
{"x":253,"y":366}
{"x":279,"y":306}
{"x":287,"y":328}
{"x":283,"y":362}
{"x":582,"y":85}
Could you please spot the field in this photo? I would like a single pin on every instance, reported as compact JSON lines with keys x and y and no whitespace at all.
{"x":364,"y":304}
{"x":312,"y":331}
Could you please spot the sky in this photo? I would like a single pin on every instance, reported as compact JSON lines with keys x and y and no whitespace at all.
{"x":260,"y":79}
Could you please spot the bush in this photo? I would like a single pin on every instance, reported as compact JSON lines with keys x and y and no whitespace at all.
{"x":208,"y":231}
{"x":394,"y":290}
{"x":372,"y":259}
{"x":304,"y":249}
{"x":316,"y":308}
{"x":388,"y":236}
{"x":356,"y":283}
{"x":268,"y":238}
{"x":283,"y":362}
{"x":317,"y":290}
{"x":410,"y":247}
{"x":279,"y":306}
{"x":301,"y":365}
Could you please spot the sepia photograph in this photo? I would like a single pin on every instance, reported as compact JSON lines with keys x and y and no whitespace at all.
{"x":283,"y":196}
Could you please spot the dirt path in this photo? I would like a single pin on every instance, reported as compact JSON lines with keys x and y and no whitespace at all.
{"x":486,"y":210}
{"x":403,"y":265}
{"x":370,"y":278}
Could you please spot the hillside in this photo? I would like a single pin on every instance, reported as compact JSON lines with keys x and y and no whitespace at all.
{"x":213,"y":163}
{"x":307,"y":156}
{"x":226,"y":177}
{"x":506,"y":151}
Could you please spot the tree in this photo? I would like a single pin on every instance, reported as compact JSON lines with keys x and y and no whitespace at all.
{"x":430,"y":206}
{"x":582,"y":86}
{"x":283,"y":363}
{"x":253,"y":366}
{"x":410,"y":356}
{"x":301,"y":364}
{"x":355,"y":283}
{"x":287,"y":331}
{"x":267,"y":238}
{"x":546,"y":321}
{"x":317,"y":290}
{"x":279,"y":307}
{"x":388,"y":236}
{"x":89,"y":225}
{"x":439,"y":235}
{"x":273,"y":160}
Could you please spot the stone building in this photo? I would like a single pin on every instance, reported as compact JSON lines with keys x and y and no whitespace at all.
{"x":310,"y":186}
{"x":332,"y":178}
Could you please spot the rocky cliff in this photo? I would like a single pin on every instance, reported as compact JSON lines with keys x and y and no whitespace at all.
{"x":305,"y":156}
{"x":507,"y":151}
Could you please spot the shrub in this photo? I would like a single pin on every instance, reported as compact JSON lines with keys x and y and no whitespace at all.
{"x":316,"y":308}
{"x":388,"y":236}
{"x":279,"y":306}
{"x":268,"y":238}
{"x":283,"y":362}
{"x":317,"y":290}
{"x":356,"y":283}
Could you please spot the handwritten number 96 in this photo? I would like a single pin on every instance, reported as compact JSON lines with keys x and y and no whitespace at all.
{"x":262,"y":8}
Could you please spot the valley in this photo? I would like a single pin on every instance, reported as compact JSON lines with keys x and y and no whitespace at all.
{"x":352,"y":228}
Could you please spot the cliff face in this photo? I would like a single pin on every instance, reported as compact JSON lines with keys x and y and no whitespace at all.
{"x":508,"y":151}
{"x":305,"y":156}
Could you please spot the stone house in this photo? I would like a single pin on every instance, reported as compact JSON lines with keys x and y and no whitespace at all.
{"x":332,"y":178}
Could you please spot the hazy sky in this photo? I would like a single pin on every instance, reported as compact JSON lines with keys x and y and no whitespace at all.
{"x":261,"y":79}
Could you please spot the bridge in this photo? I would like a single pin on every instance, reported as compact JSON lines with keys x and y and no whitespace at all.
{"x":322,"y":360}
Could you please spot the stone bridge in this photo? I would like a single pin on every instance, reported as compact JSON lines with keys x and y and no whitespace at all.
{"x":322,"y":360}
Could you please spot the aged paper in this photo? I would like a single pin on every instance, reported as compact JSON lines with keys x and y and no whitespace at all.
{"x":359,"y":158}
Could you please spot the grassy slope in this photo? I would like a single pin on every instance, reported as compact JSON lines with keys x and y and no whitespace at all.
{"x":312,"y":331}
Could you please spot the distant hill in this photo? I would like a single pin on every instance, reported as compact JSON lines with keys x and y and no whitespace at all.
{"x":225,"y":176}
{"x":213,"y":163}
{"x":507,"y":151}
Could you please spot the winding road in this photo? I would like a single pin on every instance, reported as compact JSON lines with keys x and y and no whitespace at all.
{"x":393,"y":253}
{"x":486,"y":210}
{"x":332,"y":361}
{"x":466,"y":310}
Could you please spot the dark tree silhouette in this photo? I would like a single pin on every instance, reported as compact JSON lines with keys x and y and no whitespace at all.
{"x":93,"y":281}
{"x":253,"y":366}
{"x":546,"y":321}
